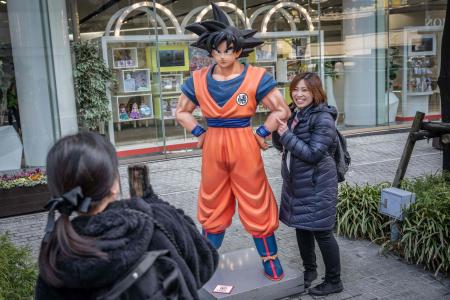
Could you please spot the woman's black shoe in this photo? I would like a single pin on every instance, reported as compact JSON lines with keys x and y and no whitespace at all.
{"x":326,"y":288}
{"x":309,"y":276}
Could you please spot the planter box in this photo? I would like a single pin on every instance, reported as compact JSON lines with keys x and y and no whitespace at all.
{"x":23,"y":200}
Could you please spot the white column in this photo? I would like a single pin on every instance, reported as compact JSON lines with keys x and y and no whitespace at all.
{"x":360,"y":44}
{"x":33,"y":63}
{"x":63,"y":67}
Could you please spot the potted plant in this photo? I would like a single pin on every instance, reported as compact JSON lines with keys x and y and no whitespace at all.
{"x":23,"y":193}
{"x":92,"y":79}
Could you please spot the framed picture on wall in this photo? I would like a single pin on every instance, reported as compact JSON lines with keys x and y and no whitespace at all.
{"x":291,"y":75}
{"x":169,"y":107}
{"x":136,"y":80}
{"x":199,"y":58}
{"x":134,"y":107}
{"x":299,"y":47}
{"x":267,"y":52}
{"x":172,"y":58}
{"x":270,"y":70}
{"x":422,"y":44}
{"x":171,"y":82}
{"x":285,"y":49}
{"x":125,"y":58}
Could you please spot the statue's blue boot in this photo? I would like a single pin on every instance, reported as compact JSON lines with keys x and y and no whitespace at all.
{"x":267,"y":249}
{"x":215,"y":239}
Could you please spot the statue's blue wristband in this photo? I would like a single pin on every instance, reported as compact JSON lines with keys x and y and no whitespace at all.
{"x":198,"y":131}
{"x":262,"y":131}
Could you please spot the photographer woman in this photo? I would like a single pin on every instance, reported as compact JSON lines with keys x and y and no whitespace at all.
{"x":86,"y":256}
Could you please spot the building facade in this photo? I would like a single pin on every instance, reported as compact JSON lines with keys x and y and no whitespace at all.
{"x":379,"y":62}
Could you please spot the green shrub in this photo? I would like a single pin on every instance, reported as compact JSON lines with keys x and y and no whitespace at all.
{"x":357,"y":212}
{"x":426,"y":227}
{"x":18,"y":272}
{"x":91,"y":77}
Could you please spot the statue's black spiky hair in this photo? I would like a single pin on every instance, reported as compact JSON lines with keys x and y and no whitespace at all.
{"x":213,"y":32}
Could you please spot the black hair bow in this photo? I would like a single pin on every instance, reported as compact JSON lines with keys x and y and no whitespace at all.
{"x":66,"y":205}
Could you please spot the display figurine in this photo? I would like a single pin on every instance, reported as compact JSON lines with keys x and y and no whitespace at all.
{"x":134,"y":114}
{"x":145,"y":110}
{"x":123,"y":115}
{"x":228,"y":93}
{"x":129,"y":83}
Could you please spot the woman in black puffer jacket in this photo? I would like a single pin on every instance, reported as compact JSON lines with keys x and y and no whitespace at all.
{"x":309,"y":192}
{"x":87,"y":256}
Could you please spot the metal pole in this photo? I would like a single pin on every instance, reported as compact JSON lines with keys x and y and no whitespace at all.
{"x":75,"y":20}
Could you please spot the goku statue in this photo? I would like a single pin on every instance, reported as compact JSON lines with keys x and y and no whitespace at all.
{"x":228,"y":93}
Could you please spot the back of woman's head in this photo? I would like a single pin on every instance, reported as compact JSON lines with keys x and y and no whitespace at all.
{"x":86,"y":160}
{"x":79,"y":167}
{"x":314,"y":85}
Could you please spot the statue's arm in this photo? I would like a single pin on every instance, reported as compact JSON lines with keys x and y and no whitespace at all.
{"x":278,"y":109}
{"x":184,"y":111}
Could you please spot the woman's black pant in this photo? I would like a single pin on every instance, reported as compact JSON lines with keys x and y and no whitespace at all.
{"x":328,"y":247}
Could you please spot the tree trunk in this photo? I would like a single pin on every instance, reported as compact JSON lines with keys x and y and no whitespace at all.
{"x":444,"y":83}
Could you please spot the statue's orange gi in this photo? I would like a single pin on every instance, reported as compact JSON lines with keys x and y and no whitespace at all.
{"x":232,"y":166}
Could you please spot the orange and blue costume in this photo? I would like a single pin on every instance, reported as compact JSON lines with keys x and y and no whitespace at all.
{"x":232,"y":168}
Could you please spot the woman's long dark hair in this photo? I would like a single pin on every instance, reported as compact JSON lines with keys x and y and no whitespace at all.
{"x":86,"y":160}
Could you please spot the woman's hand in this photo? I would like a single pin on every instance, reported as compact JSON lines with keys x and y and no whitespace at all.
{"x":282,"y":127}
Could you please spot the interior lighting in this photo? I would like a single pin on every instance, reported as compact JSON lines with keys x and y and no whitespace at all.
{"x":296,"y":6}
{"x":135,"y":6}
{"x":202,"y":14}
{"x":3,"y":2}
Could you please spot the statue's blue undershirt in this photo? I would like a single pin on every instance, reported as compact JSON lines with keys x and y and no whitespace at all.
{"x":221,"y":91}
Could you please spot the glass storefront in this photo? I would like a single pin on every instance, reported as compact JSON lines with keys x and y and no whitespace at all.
{"x":379,"y":62}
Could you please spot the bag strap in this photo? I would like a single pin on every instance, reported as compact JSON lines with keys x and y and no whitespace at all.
{"x":143,"y":265}
{"x":174,"y":283}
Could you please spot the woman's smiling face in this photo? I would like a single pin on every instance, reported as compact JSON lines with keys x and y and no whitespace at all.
{"x":301,"y":95}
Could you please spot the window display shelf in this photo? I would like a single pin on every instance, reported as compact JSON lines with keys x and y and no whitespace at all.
{"x":420,"y":70}
{"x":140,"y":119}
{"x":420,"y":93}
{"x":171,"y":93}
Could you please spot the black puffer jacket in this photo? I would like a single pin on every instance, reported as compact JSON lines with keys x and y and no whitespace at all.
{"x":309,"y":192}
{"x":125,"y":231}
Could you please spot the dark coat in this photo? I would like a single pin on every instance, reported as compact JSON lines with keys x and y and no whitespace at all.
{"x":125,"y":231}
{"x":309,"y":192}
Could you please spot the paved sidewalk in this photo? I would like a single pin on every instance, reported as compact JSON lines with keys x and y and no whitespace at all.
{"x":365,"y":273}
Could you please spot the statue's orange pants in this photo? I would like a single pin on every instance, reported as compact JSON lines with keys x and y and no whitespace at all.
{"x":233,"y":171}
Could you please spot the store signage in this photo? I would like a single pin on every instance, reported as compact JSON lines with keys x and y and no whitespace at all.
{"x":434,"y":22}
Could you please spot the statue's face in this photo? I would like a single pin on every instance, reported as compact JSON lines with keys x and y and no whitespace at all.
{"x":225,"y":56}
